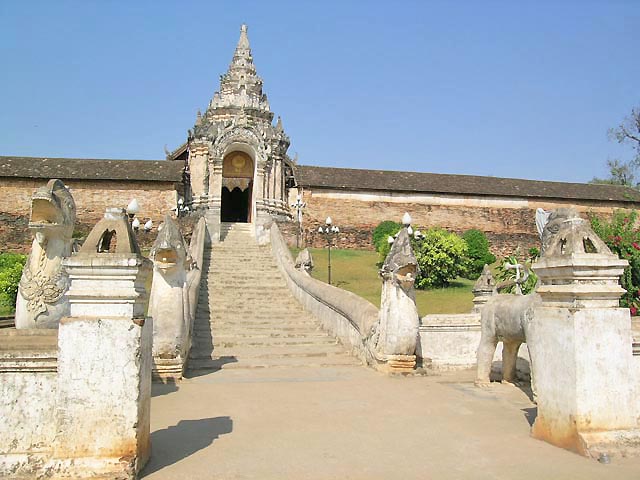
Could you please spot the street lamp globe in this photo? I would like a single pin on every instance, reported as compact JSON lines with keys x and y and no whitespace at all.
{"x":133,"y":207}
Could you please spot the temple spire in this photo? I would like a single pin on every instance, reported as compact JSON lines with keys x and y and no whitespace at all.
{"x":240,"y":86}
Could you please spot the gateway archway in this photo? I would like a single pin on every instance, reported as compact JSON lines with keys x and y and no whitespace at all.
{"x":237,"y":185}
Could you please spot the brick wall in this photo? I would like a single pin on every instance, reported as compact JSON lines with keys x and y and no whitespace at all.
{"x":508,"y":224}
{"x":91,"y":197}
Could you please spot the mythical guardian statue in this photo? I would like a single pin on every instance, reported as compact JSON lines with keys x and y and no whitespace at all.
{"x":169,"y":300}
{"x":41,"y":301}
{"x":395,"y":336}
{"x":506,"y":317}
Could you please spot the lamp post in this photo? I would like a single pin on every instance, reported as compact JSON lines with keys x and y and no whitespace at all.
{"x":132,"y":209}
{"x":180,"y":207}
{"x":329,"y":231}
{"x":298,"y":205}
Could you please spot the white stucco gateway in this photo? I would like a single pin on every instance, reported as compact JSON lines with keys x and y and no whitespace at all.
{"x":236,"y":158}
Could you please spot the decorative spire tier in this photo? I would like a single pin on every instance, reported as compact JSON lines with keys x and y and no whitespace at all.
{"x":241,"y":87}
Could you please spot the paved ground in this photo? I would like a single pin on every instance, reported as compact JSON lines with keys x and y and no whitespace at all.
{"x":353,"y":423}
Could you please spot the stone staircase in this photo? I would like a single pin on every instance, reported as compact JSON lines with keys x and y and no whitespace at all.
{"x":248,"y":318}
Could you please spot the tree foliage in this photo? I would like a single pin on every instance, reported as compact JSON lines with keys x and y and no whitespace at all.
{"x":628,"y":133}
{"x":11,"y":265}
{"x":478,"y":253}
{"x":381,"y":234}
{"x":623,"y":239}
{"x":441,"y":257}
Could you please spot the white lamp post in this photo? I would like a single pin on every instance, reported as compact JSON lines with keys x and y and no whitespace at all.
{"x":132,"y":209}
{"x":329,"y":231}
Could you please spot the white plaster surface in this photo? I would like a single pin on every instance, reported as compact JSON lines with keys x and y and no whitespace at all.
{"x":398,"y":327}
{"x":104,"y":383}
{"x":27,"y":399}
{"x":27,"y":403}
{"x":583,"y":366}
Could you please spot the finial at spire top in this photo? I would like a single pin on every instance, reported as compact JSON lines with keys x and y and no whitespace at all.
{"x":243,"y":43}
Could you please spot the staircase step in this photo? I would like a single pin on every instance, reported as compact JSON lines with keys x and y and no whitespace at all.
{"x":203,"y":331}
{"x":233,"y":362}
{"x":246,"y":316}
{"x":260,"y":343}
{"x":269,"y":351}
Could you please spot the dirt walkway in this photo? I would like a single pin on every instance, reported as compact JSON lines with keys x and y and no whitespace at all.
{"x":353,"y":423}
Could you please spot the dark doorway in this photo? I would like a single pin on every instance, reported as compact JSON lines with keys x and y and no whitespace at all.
{"x":235,"y":205}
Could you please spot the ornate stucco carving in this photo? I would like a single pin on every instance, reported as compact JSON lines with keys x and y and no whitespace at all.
{"x":169,"y":299}
{"x":41,"y":302}
{"x":394,"y":338}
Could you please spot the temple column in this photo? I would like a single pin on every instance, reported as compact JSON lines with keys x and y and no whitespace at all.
{"x":214,"y":199}
{"x":198,"y":165}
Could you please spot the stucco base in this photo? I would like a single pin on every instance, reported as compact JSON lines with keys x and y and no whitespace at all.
{"x":103,"y":401}
{"x":586,"y":390}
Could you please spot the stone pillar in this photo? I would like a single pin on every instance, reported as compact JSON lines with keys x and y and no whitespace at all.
{"x":215,"y":200}
{"x":393,"y":343}
{"x":580,"y":346}
{"x":277,"y":191}
{"x":104,"y":359}
{"x":198,"y":170}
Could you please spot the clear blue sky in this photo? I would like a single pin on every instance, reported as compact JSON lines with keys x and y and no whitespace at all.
{"x":502,"y":88}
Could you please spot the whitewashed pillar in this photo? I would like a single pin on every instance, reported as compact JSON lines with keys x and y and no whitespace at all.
{"x":580,"y":346}
{"x":104,"y":359}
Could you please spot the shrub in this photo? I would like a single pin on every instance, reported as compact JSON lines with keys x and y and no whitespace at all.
{"x":478,"y":253}
{"x":441,"y":257}
{"x":11,"y":265}
{"x":380,"y":238}
{"x":382,"y":232}
{"x":623,"y":239}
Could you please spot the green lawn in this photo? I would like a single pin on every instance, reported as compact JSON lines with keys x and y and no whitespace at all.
{"x":6,"y":311}
{"x":356,"y":271}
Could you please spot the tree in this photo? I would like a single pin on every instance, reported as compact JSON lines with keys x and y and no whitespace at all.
{"x":624,"y":172}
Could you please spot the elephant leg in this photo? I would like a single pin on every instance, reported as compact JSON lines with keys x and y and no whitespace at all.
{"x":509,"y":356}
{"x":486,"y":350}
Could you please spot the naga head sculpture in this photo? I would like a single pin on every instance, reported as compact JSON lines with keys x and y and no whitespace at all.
{"x":401,"y":265}
{"x":169,"y":250}
{"x":304,"y":260}
{"x":555,"y":221}
{"x":53,"y":212}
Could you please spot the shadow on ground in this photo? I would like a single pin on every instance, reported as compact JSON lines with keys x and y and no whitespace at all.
{"x":530,"y":414}
{"x":172,"y":444}
{"x":159,"y":388}
{"x":222,"y":361}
